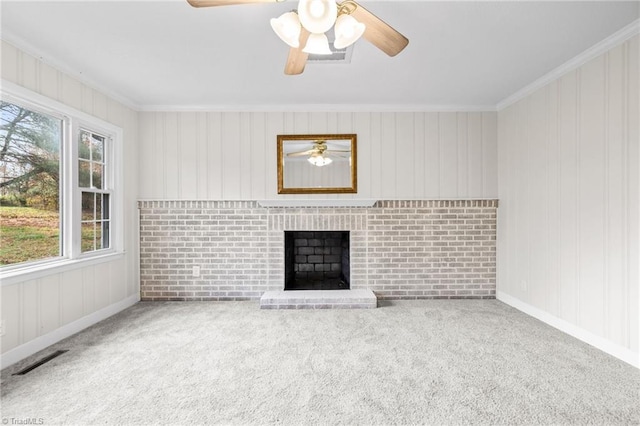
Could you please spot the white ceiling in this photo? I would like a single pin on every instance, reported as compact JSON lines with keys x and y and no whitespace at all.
{"x":166,"y":54}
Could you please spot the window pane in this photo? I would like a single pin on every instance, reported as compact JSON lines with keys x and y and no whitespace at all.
{"x":97,"y":175}
{"x":98,"y":206}
{"x":30,"y":185}
{"x":84,"y":147}
{"x":97,"y":147}
{"x":88,"y":206}
{"x":105,"y":235}
{"x":98,"y":235}
{"x":105,"y":206}
{"x":84,"y":174}
{"x":88,"y":236}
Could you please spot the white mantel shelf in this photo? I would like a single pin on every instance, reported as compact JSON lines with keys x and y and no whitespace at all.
{"x":317,"y":203}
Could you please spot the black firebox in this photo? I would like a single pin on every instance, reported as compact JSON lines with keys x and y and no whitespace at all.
{"x":316,"y":260}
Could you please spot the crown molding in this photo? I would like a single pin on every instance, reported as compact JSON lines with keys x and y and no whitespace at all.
{"x":598,"y":49}
{"x":43,"y":57}
{"x":318,"y":108}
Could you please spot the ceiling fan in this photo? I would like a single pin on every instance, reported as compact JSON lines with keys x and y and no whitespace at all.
{"x":318,"y":155}
{"x":304,"y":30}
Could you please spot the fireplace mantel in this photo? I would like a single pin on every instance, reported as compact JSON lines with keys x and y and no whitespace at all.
{"x":310,"y":202}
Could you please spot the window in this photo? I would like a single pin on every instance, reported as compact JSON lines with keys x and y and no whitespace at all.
{"x":29,"y":185}
{"x":94,"y":189}
{"x":57,"y":183}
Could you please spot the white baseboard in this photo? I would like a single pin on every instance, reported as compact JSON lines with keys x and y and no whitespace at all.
{"x":39,"y":343}
{"x":601,"y":343}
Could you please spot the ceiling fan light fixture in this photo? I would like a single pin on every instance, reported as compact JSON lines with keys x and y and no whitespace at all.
{"x":287,"y":27}
{"x":347,"y":31}
{"x":317,"y":44}
{"x":319,"y":160}
{"x":317,"y":16}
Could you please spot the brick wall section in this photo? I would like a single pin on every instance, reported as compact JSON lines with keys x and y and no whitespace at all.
{"x":399,"y":249}
{"x":432,"y":249}
{"x":227,"y":240}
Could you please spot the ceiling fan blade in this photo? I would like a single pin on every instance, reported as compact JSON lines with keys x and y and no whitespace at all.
{"x":334,"y":154}
{"x":297,"y":59}
{"x":211,"y":3}
{"x":301,"y":153}
{"x":379,"y":33}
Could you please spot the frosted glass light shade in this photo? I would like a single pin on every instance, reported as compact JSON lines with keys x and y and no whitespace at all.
{"x":317,"y":16}
{"x":347,"y":31}
{"x":319,"y":160}
{"x":287,"y":27}
{"x":317,"y":44}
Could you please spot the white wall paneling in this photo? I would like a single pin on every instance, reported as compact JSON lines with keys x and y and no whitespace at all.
{"x":232,"y":155}
{"x":569,"y":210}
{"x":40,"y":311}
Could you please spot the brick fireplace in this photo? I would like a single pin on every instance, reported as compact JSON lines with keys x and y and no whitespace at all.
{"x":413,"y":249}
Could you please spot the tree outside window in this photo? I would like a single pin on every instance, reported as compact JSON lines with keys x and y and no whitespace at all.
{"x":38,"y":221}
{"x":30,"y":201}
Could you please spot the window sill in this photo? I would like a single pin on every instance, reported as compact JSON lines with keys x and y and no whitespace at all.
{"x":41,"y":270}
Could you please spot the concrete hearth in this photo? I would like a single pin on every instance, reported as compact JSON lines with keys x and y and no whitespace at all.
{"x":319,"y":299}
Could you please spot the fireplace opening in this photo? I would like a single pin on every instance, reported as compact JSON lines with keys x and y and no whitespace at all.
{"x":316,"y":260}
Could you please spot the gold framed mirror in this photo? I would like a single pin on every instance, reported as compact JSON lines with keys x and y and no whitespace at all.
{"x":317,"y":164}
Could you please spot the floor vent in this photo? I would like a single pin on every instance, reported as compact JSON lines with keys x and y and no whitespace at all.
{"x":39,"y":363}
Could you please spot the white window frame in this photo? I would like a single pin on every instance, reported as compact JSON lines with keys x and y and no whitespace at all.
{"x":70,"y":192}
{"x":107,"y":184}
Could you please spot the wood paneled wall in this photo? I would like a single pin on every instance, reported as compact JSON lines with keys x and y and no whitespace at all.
{"x":568,"y":225}
{"x":232,"y":155}
{"x":44,"y":309}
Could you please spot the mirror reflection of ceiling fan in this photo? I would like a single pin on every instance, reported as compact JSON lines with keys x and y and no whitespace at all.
{"x":304,"y":29}
{"x":319,"y":154}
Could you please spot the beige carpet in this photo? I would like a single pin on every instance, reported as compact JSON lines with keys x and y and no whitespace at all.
{"x":422,"y":362}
